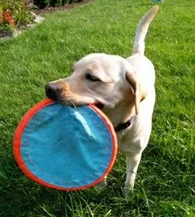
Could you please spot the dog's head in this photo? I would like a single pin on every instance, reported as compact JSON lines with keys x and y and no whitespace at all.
{"x":99,"y":79}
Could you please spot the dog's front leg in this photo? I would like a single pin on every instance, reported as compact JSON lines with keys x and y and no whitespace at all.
{"x":132,"y":164}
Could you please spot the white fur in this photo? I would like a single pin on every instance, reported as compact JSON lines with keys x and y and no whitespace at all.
{"x":126,"y":89}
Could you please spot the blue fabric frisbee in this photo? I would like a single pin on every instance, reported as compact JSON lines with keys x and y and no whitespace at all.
{"x":64,"y":147}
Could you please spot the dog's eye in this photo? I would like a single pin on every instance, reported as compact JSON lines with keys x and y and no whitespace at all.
{"x":92,"y":78}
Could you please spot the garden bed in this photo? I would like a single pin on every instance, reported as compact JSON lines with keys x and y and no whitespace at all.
{"x":13,"y":30}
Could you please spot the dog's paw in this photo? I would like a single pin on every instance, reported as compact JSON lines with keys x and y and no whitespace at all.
{"x":127,"y":193}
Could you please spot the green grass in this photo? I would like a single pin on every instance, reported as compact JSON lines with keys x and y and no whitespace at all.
{"x":165,"y":184}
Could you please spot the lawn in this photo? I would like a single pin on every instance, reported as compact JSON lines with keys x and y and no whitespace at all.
{"x":165,"y":184}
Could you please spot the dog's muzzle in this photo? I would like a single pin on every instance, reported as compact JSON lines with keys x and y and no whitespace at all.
{"x":55,"y":91}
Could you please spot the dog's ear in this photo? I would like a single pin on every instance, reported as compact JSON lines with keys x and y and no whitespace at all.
{"x":139,"y":95}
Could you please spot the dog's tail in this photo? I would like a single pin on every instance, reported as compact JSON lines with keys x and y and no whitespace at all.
{"x":142,"y":28}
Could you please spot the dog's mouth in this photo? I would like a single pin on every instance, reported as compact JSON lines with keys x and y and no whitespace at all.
{"x":55,"y":93}
{"x":99,"y":105}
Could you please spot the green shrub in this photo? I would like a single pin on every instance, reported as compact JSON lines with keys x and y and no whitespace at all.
{"x":13,"y":13}
{"x":47,"y":3}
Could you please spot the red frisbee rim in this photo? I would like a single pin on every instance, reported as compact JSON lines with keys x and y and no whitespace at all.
{"x":17,"y":145}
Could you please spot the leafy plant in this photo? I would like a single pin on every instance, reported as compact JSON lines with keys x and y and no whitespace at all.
{"x":7,"y":17}
{"x":13,"y":13}
{"x":53,"y":3}
{"x":42,"y":3}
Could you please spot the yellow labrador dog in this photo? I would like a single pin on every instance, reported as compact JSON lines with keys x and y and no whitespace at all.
{"x":123,"y":88}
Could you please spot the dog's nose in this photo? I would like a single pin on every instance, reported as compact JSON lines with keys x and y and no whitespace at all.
{"x":52,"y":91}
